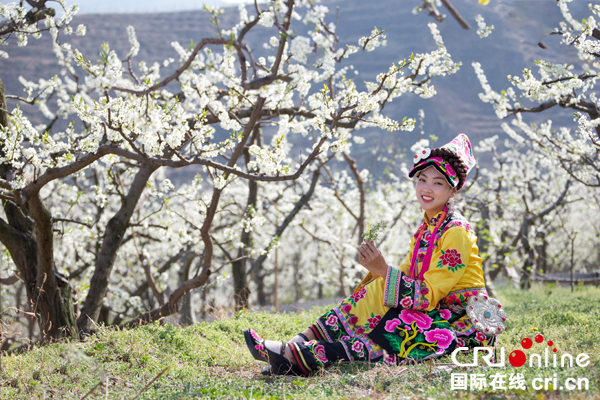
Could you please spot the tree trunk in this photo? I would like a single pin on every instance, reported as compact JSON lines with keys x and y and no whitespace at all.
{"x":261,"y":296}
{"x":499,"y":257}
{"x":54,"y":302}
{"x":541,"y":262}
{"x":525,"y":282}
{"x":111,"y":241}
{"x":186,"y":313}
{"x":29,"y":239}
{"x":241,"y":291}
{"x":297,"y":276}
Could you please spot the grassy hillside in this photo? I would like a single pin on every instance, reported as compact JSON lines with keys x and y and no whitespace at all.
{"x":210,"y":360}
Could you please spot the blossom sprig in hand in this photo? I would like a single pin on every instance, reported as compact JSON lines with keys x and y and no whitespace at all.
{"x":372,"y":231}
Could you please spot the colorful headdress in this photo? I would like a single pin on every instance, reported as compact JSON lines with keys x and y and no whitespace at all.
{"x":460,"y":145}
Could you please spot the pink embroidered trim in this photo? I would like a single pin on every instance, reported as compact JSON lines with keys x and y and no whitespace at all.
{"x":368,"y":342}
{"x":346,"y":349}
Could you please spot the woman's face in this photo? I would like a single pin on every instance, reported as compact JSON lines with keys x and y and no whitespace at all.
{"x":433,"y":191}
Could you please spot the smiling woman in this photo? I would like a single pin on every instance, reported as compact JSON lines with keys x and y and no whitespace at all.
{"x":416,"y":311}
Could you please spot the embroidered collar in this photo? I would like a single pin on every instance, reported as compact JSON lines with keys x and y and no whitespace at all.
{"x":415,"y":272}
{"x":433,"y":221}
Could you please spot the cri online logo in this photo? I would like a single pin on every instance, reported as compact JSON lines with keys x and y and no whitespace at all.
{"x":518,"y":358}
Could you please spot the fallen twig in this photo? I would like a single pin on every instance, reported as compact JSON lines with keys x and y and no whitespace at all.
{"x":150,"y":383}
{"x":92,"y":390}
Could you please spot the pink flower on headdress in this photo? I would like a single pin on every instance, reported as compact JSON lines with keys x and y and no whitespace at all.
{"x":450,"y":171}
{"x":346,"y":308}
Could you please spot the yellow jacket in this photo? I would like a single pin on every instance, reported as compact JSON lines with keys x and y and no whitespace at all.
{"x":455,"y":267}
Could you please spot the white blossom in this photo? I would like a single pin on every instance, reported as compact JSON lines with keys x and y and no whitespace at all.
{"x":483,"y":30}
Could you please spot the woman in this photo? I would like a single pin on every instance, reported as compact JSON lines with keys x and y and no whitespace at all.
{"x":416,"y":311}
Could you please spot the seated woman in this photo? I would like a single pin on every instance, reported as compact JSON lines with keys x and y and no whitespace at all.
{"x":413,"y":312}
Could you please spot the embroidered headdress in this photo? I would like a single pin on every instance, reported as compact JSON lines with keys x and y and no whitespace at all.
{"x":460,"y":145}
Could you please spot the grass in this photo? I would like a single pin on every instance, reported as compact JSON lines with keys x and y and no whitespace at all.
{"x":210,"y":360}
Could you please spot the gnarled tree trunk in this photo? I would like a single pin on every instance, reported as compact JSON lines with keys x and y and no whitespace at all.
{"x":28,"y":236}
{"x":111,"y":242}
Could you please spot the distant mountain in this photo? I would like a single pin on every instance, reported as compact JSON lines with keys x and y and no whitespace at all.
{"x":513,"y":45}
{"x":145,"y":6}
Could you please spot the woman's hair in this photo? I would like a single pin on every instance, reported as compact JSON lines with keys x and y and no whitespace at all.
{"x":455,"y":161}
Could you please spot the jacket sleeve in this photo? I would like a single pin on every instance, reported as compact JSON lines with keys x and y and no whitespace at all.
{"x":405,"y":266}
{"x":448,"y":264}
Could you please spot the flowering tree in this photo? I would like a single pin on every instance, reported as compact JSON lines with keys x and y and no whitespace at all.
{"x":558,"y":85}
{"x":575,"y":149}
{"x":77,"y":200}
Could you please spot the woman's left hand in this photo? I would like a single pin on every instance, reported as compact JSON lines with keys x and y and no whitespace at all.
{"x":372,"y":259}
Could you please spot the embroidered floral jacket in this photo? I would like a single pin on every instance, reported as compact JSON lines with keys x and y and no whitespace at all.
{"x":455,"y":266}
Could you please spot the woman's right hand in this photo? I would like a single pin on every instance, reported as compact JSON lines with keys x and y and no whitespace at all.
{"x":372,"y":259}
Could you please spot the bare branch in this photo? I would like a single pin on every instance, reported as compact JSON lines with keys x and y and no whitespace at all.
{"x":540,"y":108}
{"x":71,"y":220}
{"x":11,"y":280}
{"x":459,"y":18}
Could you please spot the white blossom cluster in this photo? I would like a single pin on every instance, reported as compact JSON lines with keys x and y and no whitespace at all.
{"x":482,"y":29}
{"x":13,"y":16}
{"x":563,"y":85}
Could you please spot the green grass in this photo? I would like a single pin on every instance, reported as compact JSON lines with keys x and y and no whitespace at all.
{"x":210,"y":360}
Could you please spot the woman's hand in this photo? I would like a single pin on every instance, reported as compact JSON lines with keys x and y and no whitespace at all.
{"x":372,"y":259}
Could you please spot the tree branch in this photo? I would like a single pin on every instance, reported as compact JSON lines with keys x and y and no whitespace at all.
{"x":11,"y":280}
{"x":459,"y":18}
{"x":179,"y":71}
{"x":34,"y":15}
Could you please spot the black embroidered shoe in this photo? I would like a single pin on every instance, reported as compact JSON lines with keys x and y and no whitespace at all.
{"x":256,"y":345}
{"x":280,"y":365}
